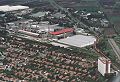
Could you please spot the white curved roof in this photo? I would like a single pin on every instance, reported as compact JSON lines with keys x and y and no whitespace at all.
{"x":6,"y":8}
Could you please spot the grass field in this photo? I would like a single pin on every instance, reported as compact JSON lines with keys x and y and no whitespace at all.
{"x":117,"y":40}
{"x":116,"y":21}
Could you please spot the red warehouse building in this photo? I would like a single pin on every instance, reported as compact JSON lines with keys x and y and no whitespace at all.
{"x":63,"y":33}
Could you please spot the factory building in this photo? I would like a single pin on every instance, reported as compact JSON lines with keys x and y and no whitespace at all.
{"x":104,"y":65}
{"x":62,"y":33}
{"x":28,"y":33}
{"x":39,"y":14}
{"x":7,"y":8}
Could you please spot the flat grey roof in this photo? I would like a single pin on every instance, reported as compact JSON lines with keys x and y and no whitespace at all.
{"x":39,"y":14}
{"x":78,"y":40}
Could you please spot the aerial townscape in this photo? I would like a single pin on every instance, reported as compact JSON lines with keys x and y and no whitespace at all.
{"x":59,"y":40}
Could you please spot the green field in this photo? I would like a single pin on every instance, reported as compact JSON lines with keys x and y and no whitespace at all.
{"x":117,"y":40}
{"x":115,"y":19}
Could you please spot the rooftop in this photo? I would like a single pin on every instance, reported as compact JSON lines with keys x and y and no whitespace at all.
{"x":78,"y":40}
{"x":59,"y":15}
{"x":62,"y":31}
{"x":6,"y":8}
{"x":39,"y":14}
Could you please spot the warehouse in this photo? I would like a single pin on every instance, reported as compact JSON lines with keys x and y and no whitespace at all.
{"x":79,"y":40}
{"x":39,"y":14}
{"x":63,"y":33}
{"x":7,"y":8}
{"x":28,"y":33}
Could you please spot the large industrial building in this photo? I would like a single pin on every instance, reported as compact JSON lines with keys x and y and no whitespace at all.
{"x":63,"y":33}
{"x":39,"y":14}
{"x":7,"y":8}
{"x":28,"y":33}
{"x":78,"y":40}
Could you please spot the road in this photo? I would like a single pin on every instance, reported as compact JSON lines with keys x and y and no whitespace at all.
{"x":115,"y":47}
